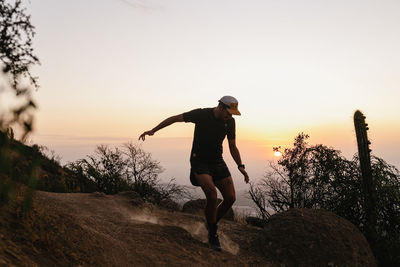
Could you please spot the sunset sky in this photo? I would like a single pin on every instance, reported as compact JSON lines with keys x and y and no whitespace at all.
{"x":112,"y":69}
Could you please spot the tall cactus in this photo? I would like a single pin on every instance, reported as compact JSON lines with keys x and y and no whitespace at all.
{"x":368,"y":184}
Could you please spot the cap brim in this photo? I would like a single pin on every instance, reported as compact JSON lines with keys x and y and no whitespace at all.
{"x":234,"y":111}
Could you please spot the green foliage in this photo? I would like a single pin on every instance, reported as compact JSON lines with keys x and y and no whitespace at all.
{"x":16,"y":51}
{"x":107,"y":169}
{"x":16,"y":57}
{"x":388,"y":212}
{"x":306,"y":177}
{"x":319,"y":177}
{"x":7,"y":185}
{"x":22,"y":164}
{"x":78,"y":180}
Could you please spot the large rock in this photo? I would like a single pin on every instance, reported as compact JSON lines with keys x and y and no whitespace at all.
{"x":255,"y":221}
{"x":197,"y":207}
{"x":305,"y":237}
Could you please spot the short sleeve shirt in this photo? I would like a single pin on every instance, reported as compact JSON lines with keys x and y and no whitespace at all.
{"x":209,"y":132}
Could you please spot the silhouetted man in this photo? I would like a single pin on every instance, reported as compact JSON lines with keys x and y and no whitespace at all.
{"x":208,"y":169}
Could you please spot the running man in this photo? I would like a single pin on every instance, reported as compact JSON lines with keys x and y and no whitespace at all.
{"x":208,"y":169}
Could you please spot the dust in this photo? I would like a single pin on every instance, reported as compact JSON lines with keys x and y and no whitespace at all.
{"x":144,"y":217}
{"x":228,"y":245}
{"x":195,"y":228}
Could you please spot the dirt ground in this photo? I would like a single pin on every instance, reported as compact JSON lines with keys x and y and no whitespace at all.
{"x":104,"y":230}
{"x":74,"y":229}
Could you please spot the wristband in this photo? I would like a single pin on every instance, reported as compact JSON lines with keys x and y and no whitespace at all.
{"x":241,"y":166}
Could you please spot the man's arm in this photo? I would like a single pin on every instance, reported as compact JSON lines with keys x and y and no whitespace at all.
{"x":163,"y":124}
{"x":236,"y":156}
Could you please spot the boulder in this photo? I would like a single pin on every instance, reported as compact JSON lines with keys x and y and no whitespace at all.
{"x":197,"y":207}
{"x":255,"y":221}
{"x":306,"y":237}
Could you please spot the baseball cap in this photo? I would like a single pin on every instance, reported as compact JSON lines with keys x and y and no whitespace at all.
{"x":231,"y":104}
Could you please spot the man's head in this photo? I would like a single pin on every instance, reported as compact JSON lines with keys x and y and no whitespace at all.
{"x":228,"y":106}
{"x":230,"y":103}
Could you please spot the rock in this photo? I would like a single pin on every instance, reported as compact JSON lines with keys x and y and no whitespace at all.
{"x":306,"y":237}
{"x":255,"y":221}
{"x":197,"y":207}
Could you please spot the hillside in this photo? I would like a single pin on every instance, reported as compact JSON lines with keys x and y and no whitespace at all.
{"x":121,"y":230}
{"x":98,"y":229}
{"x":95,"y":229}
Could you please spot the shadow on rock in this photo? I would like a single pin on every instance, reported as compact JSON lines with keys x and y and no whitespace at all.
{"x":305,"y":237}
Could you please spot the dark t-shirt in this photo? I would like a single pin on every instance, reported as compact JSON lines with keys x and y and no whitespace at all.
{"x":209,"y":132}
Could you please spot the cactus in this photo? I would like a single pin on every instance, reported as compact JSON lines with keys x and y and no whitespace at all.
{"x":368,"y":185}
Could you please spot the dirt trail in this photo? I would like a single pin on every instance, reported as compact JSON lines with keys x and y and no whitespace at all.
{"x":98,"y":229}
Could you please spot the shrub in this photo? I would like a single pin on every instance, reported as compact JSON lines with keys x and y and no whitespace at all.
{"x":319,"y":177}
{"x":126,"y":168}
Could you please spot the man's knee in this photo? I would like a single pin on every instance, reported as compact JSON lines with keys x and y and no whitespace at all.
{"x":230,"y":199}
{"x":211,"y":196}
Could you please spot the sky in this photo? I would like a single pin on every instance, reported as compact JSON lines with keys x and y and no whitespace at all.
{"x":112,"y":69}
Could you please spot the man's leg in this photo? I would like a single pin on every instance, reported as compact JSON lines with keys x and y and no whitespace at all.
{"x":208,"y":187}
{"x":225,"y":186}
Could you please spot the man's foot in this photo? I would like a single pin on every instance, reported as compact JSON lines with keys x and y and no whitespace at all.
{"x":213,"y":242}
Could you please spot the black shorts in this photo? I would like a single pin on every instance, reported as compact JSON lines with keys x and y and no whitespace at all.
{"x":217,"y":170}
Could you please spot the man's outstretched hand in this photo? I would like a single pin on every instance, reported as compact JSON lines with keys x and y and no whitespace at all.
{"x":246,"y":176}
{"x":143,"y":135}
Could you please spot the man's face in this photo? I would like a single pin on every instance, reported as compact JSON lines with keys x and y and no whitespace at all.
{"x":226,"y":115}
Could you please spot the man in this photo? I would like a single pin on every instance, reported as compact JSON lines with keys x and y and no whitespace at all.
{"x":208,"y":169}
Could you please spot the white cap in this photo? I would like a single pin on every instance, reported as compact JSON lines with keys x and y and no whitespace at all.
{"x":231,"y":104}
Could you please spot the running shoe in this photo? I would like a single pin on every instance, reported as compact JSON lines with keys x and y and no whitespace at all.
{"x":213,"y":242}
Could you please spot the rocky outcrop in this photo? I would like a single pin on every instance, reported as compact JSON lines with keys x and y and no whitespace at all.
{"x":305,"y":237}
{"x":255,"y":221}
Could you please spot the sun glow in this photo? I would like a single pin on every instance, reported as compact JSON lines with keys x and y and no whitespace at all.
{"x":277,"y":152}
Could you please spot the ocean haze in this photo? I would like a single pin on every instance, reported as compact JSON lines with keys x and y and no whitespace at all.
{"x":173,"y":153}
